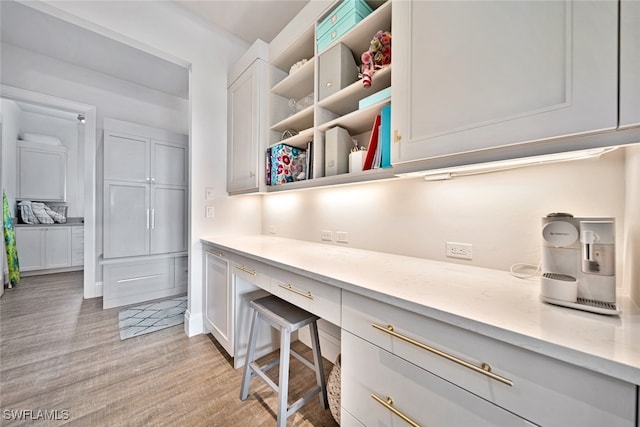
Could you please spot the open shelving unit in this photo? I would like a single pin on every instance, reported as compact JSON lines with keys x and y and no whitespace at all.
{"x":339,"y":109}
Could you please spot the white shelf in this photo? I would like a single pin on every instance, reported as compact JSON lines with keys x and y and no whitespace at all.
{"x":297,"y":85}
{"x":356,"y":122}
{"x":347,"y":99}
{"x":300,"y":140}
{"x":300,"y":120}
{"x":342,"y":179}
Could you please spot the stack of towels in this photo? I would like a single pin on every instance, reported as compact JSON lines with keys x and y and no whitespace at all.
{"x":41,"y":213}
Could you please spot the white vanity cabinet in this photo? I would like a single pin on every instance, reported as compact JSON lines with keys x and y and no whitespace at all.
{"x":231,"y":282}
{"x":42,"y":172}
{"x":532,"y":386}
{"x":41,"y":248}
{"x":629,"y":63}
{"x":473,"y":76}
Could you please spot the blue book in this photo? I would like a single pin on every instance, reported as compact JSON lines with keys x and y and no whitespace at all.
{"x":385,"y":136}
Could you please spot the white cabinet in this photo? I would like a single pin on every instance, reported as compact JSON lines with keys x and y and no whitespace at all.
{"x":135,"y":280}
{"x":629,"y":63}
{"x":246,"y":112}
{"x":532,"y":386}
{"x":77,"y":245}
{"x":42,"y":172}
{"x":479,"y":75}
{"x":375,"y":383}
{"x":217,"y":299}
{"x":145,"y":191}
{"x":231,"y":283}
{"x":41,"y":248}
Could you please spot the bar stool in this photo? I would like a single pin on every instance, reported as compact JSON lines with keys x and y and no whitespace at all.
{"x":287,"y":318}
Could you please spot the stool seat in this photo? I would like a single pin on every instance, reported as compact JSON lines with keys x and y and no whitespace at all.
{"x":287,"y":318}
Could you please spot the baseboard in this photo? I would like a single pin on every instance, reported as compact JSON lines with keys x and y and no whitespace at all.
{"x":193,"y":324}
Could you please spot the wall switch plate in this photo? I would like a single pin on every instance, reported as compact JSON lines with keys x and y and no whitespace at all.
{"x":342,"y":237}
{"x":459,"y":250}
{"x":326,"y":235}
{"x":208,"y":193}
{"x":210,"y":212}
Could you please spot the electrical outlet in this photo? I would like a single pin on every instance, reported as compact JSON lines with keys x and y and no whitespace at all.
{"x":326,"y":235}
{"x":210,"y":212}
{"x":342,"y":237}
{"x":459,"y":250}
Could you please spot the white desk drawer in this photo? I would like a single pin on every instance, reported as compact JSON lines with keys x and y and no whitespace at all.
{"x":316,"y":297}
{"x":251,"y":271}
{"x":544,"y":390}
{"x":371,"y":376}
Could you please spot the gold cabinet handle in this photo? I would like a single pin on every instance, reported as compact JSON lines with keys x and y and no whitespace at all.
{"x":484,"y":369}
{"x":246,"y":270}
{"x":305,"y":294}
{"x":219,"y":255}
{"x":389,"y":405}
{"x":396,"y":136}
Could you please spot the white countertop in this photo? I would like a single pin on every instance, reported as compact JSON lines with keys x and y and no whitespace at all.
{"x":490,"y":302}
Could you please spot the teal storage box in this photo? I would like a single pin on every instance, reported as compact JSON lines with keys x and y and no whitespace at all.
{"x":381,"y":95}
{"x":344,"y":17}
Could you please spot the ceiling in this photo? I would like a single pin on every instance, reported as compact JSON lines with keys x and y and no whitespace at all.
{"x":31,"y":29}
{"x":246,"y":19}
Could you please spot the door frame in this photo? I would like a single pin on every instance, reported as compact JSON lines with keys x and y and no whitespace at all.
{"x":92,"y":288}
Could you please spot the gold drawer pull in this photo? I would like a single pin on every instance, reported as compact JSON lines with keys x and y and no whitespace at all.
{"x":246,"y":270}
{"x":389,"y":405}
{"x":484,"y":369}
{"x":219,"y":255}
{"x":305,"y":294}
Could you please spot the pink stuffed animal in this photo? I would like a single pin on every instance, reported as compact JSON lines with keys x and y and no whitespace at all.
{"x":377,"y":57}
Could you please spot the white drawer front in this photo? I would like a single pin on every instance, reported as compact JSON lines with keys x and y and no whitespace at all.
{"x":369,"y":372}
{"x":128,"y":283}
{"x":544,"y":391}
{"x":251,"y":271}
{"x":316,"y":297}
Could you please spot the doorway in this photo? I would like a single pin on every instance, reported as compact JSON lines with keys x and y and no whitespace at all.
{"x":86,"y":140}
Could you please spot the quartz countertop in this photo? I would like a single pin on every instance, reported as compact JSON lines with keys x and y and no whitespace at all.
{"x":489,"y":302}
{"x":70,"y":221}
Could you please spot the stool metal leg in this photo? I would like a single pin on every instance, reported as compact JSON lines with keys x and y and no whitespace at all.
{"x":253,"y":337}
{"x":283,"y":383}
{"x":317,"y":360}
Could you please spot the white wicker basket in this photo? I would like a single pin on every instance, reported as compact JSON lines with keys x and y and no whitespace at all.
{"x":333,"y":390}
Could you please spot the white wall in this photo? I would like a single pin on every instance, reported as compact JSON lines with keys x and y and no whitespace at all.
{"x":163,"y":27}
{"x":631,"y":243}
{"x":11,"y":117}
{"x":498,"y":213}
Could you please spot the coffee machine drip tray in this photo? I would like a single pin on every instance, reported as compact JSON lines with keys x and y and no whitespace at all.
{"x":593,"y":306}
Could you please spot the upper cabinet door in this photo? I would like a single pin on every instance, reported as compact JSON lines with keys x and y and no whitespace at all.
{"x":245,"y":123}
{"x":629,"y":63}
{"x":42,"y":172}
{"x":126,"y":157}
{"x":169,"y":163}
{"x":473,"y":75}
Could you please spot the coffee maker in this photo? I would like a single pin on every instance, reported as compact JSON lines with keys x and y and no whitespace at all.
{"x":578,"y":263}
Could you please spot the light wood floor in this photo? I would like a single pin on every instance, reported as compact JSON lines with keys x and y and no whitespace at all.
{"x":61,"y":352}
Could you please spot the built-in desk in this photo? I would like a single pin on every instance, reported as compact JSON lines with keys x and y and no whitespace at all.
{"x":448,"y":336}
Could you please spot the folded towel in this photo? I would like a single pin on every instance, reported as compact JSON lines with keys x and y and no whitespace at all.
{"x":57,"y":217}
{"x":26,"y":213}
{"x":40,"y":213}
